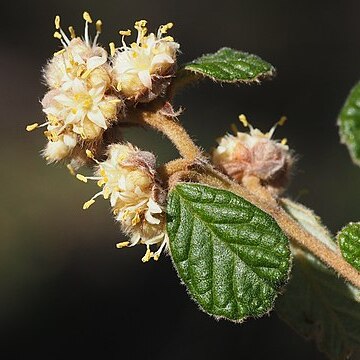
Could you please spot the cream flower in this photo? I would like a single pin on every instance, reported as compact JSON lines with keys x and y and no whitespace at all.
{"x":142,"y":71}
{"x":129,"y":181}
{"x":254,"y":154}
{"x":88,"y":110}
{"x":78,"y":59}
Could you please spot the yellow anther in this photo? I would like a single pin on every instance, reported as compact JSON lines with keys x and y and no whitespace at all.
{"x":168,"y":38}
{"x":123,"y":244}
{"x":57,"y":35}
{"x":71,"y":169}
{"x":51,"y":135}
{"x":57,"y":22}
{"x":89,"y":154}
{"x":156,"y":257}
{"x":125,"y":214}
{"x":32,"y":127}
{"x":148,"y":255}
{"x":284,"y":141}
{"x":125,"y":32}
{"x":165,"y":28}
{"x":81,"y":178}
{"x":85,"y":74}
{"x":134,"y":45}
{"x":112,"y":49}
{"x":87,"y":17}
{"x":243,"y":120}
{"x":106,"y":193}
{"x":72,"y":32}
{"x":135,"y":220}
{"x":59,"y":52}
{"x":140,"y":23}
{"x":98,"y":25}
{"x":134,"y":55}
{"x":118,"y":86}
{"x":234,"y":128}
{"x":102,"y":182}
{"x":88,"y":204}
{"x":102,"y":172}
{"x":282,"y":120}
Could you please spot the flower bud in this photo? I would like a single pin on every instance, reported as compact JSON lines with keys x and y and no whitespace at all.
{"x":254,"y":154}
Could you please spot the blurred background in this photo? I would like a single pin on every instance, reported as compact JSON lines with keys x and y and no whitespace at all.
{"x":65,"y":290}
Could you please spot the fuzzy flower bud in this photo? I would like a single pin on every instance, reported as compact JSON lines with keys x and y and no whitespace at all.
{"x":128,"y":180}
{"x":143,"y":70}
{"x":254,"y":154}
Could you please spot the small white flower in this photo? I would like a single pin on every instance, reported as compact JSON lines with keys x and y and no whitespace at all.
{"x":78,"y":58}
{"x":142,"y":70}
{"x":129,"y":181}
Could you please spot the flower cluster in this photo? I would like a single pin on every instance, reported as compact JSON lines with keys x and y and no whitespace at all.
{"x":128,"y":179}
{"x":144,"y":69}
{"x":87,"y":93}
{"x":254,"y":154}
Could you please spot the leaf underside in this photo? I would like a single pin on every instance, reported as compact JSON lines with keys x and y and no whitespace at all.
{"x":349,"y":123}
{"x":317,"y":303}
{"x":232,"y":66}
{"x":232,"y":256}
{"x":349,"y":243}
{"x":322,"y":307}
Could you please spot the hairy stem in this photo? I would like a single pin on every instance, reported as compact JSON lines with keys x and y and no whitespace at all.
{"x":291,"y":227}
{"x":173,"y":130}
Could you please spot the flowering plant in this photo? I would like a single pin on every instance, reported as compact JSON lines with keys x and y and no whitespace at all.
{"x":235,"y":241}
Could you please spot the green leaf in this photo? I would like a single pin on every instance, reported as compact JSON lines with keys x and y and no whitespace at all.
{"x":232,"y":66}
{"x":349,"y":242}
{"x":309,"y":221}
{"x":320,"y":306}
{"x":232,"y":256}
{"x":349,"y":123}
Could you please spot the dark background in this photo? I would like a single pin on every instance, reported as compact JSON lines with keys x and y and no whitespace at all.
{"x":65,"y":291}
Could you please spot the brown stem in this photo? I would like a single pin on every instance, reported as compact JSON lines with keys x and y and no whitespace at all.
{"x":290,"y":226}
{"x":173,"y":130}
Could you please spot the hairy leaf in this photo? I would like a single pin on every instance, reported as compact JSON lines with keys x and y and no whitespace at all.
{"x":231,"y":255}
{"x":349,"y":123}
{"x":227,"y":65}
{"x":320,"y":306}
{"x":349,"y":242}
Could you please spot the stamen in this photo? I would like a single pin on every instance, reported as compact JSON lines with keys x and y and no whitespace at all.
{"x":72,"y":32}
{"x":243,"y":120}
{"x":59,"y":52}
{"x":168,"y":38}
{"x":148,"y":255}
{"x":284,"y":141}
{"x":281,"y":122}
{"x":125,"y":32}
{"x":112,"y":49}
{"x":32,"y":127}
{"x":71,"y":169}
{"x":82,"y":178}
{"x":98,"y":25}
{"x":57,"y":35}
{"x":123,"y":244}
{"x":87,"y":17}
{"x":57,"y":22}
{"x":88,"y":204}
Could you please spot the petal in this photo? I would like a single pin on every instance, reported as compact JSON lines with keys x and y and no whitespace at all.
{"x":161,"y":59}
{"x":64,"y":100}
{"x":78,"y":86}
{"x":151,"y":219}
{"x":145,"y":78}
{"x":95,"y":62}
{"x":97,"y":117}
